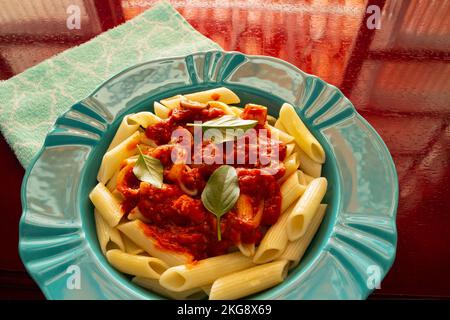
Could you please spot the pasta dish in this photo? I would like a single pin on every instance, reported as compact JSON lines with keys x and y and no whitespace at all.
{"x":204,"y":197}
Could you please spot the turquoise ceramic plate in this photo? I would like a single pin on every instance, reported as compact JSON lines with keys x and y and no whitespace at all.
{"x":353,"y":250}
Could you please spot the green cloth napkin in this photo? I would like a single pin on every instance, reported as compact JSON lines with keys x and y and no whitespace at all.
{"x":31,"y":101}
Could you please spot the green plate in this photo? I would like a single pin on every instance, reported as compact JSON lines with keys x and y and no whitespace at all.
{"x":352,"y":251}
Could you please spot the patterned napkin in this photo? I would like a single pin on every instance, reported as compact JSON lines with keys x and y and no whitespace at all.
{"x":31,"y":101}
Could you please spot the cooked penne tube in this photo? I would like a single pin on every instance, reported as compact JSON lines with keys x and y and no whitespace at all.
{"x":130,"y":246}
{"x":249,"y":281}
{"x":161,"y":111}
{"x":291,"y":165}
{"x":203,"y":272}
{"x":308,"y":165}
{"x":127,"y":128}
{"x":207,"y":289}
{"x":291,"y":190}
{"x":221,"y":94}
{"x":237,"y":111}
{"x":247,"y":249}
{"x":289,"y":149}
{"x":136,"y":231}
{"x":308,"y":178}
{"x":222,"y":106}
{"x":108,"y":238}
{"x":135,"y":214}
{"x":275,"y":240}
{"x":112,"y":183}
{"x":113,"y":158}
{"x":106,"y":204}
{"x":153,"y":285}
{"x":142,"y":266}
{"x":303,"y":137}
{"x":304,"y":210}
{"x":144,"y":119}
{"x":302,"y":178}
{"x":281,"y":135}
{"x":296,"y":249}
{"x":172,"y":102}
{"x":279,"y":126}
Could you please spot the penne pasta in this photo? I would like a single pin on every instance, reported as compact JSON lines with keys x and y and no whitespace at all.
{"x":221,"y":94}
{"x":308,"y":178}
{"x":308,"y":165}
{"x":247,"y":249}
{"x":291,"y":190}
{"x":291,"y":165}
{"x":112,"y":183}
{"x":281,"y":135}
{"x":135,"y":230}
{"x":237,"y":111}
{"x":126,"y":129}
{"x":303,"y":137}
{"x":172,"y":102}
{"x":113,"y":158}
{"x":304,"y":210}
{"x":289,"y":149}
{"x":207,"y":289}
{"x":274,"y":242}
{"x":279,"y":126}
{"x":203,"y":272}
{"x":222,"y":106}
{"x":296,"y":249}
{"x":142,"y":266}
{"x":153,"y":285}
{"x":249,"y":281}
{"x":108,"y":238}
{"x":106,"y":204}
{"x":161,"y":111}
{"x":130,"y":246}
{"x":144,"y":119}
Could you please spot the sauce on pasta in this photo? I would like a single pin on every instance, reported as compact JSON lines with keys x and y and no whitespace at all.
{"x":175,"y":216}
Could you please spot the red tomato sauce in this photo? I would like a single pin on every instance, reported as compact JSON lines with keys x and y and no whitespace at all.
{"x":178,"y":220}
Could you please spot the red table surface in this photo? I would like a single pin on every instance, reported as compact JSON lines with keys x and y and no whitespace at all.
{"x":398,"y":77}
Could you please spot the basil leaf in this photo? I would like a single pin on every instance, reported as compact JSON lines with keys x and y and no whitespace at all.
{"x":149,"y":169}
{"x":229,"y":126}
{"x":221,"y":193}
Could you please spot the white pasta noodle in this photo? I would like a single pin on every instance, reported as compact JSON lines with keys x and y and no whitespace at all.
{"x":249,"y":281}
{"x":135,"y":231}
{"x":308,"y":165}
{"x":300,"y":217}
{"x":275,"y":240}
{"x":127,"y":128}
{"x":203,"y":272}
{"x":281,"y":135}
{"x":106,"y":204}
{"x":296,"y":249}
{"x":222,"y":106}
{"x":161,"y":111}
{"x":108,"y":238}
{"x":291,"y":165}
{"x":303,"y":137}
{"x":113,"y":158}
{"x":137,"y":265}
{"x":144,"y":119}
{"x":289,"y":149}
{"x":237,"y":111}
{"x":130,"y":246}
{"x":153,"y":285}
{"x":291,"y":190}
{"x":247,"y":249}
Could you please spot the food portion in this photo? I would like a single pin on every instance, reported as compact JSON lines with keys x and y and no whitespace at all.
{"x":203,"y":192}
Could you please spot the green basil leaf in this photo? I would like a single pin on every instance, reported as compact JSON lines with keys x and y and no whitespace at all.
{"x":226,"y":122}
{"x":221,"y":193}
{"x":149,"y":169}
{"x":229,"y":127}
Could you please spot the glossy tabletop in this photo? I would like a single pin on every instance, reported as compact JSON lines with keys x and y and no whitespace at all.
{"x":397,"y":76}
